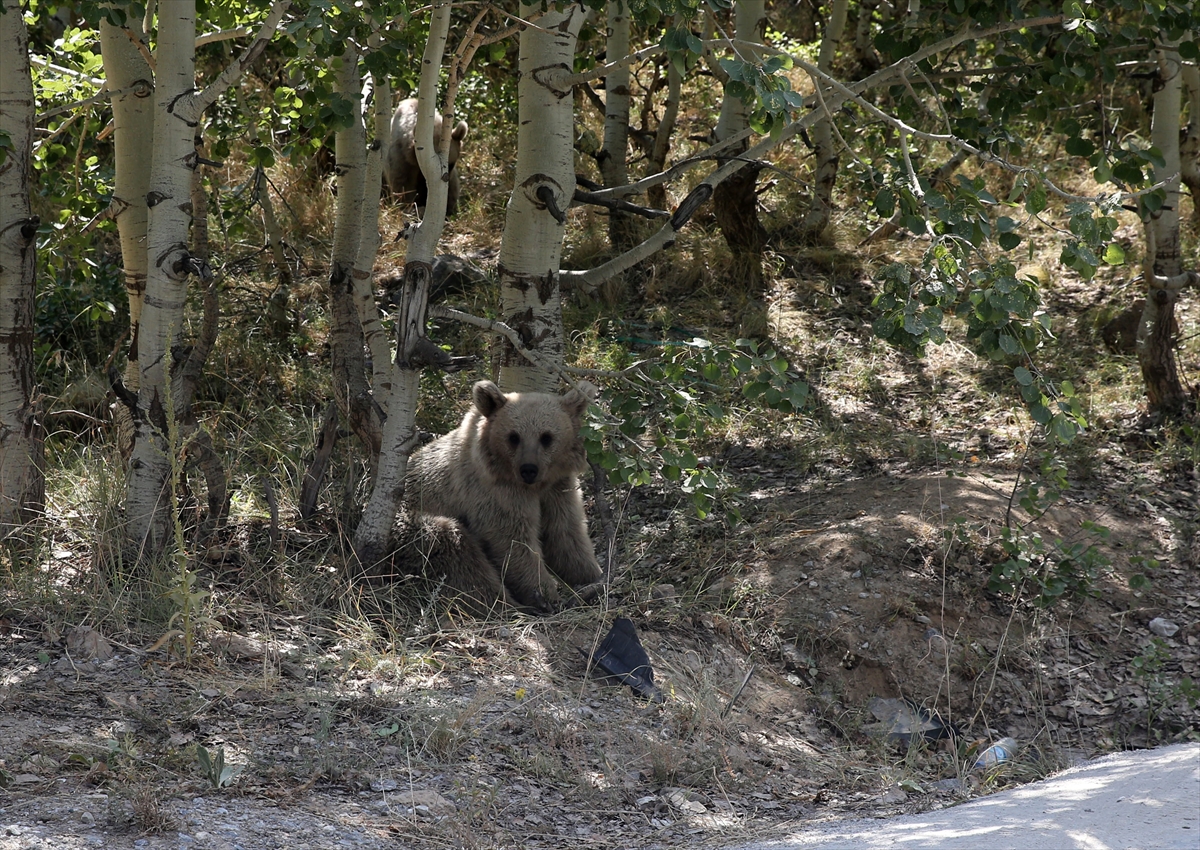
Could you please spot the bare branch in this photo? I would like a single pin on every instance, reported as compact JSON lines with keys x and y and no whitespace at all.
{"x":506,"y":331}
{"x":223,"y":35}
{"x":59,"y":69}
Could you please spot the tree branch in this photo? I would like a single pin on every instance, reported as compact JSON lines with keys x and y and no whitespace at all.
{"x":238,"y":67}
{"x":839,"y":93}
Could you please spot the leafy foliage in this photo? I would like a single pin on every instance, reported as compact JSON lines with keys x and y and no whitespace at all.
{"x":1046,"y":572}
{"x":670,"y":406}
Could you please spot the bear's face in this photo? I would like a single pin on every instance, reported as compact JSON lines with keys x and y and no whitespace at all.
{"x":531,"y":440}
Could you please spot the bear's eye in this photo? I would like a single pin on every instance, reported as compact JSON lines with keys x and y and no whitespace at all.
{"x":514,"y":439}
{"x":547,"y":439}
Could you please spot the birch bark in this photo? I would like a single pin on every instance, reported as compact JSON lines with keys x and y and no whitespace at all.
{"x":22,"y":483}
{"x":531,"y":247}
{"x":1164,"y":278}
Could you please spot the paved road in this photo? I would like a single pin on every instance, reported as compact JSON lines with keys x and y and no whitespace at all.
{"x":1147,"y":800}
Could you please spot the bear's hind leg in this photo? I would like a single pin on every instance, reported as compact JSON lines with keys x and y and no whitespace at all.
{"x":441,"y":549}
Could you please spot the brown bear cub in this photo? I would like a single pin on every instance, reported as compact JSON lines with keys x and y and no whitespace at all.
{"x":400,"y":166}
{"x":495,"y":507}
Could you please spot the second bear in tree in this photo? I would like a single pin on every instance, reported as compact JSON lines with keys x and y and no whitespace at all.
{"x":500,"y":497}
{"x":400,"y":165}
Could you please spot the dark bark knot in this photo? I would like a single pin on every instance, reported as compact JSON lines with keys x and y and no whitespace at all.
{"x":549,"y":202}
{"x":187,"y":264}
{"x":547,"y":75}
{"x":28,"y":227}
{"x":687,"y":208}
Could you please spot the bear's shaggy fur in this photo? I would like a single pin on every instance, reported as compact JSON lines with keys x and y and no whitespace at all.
{"x":400,"y":166}
{"x":504,"y":488}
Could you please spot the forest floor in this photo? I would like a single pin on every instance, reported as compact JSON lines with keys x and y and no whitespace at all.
{"x":493,"y":735}
{"x":845,"y":581}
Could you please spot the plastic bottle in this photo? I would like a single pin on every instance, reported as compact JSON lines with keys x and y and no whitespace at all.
{"x":998,"y":753}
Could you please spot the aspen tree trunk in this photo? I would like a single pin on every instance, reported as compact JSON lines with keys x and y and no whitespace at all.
{"x":374,"y":335}
{"x":531,"y":247}
{"x":735,"y":200}
{"x":824,"y":150}
{"x":148,"y":504}
{"x":414,"y":350}
{"x":1189,"y":140}
{"x":350,"y":386}
{"x":22,"y":482}
{"x":133,"y":143}
{"x":177,"y":111}
{"x":657,"y":160}
{"x":615,"y":152}
{"x":1164,"y":278}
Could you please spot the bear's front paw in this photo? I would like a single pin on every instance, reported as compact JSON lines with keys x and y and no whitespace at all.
{"x":547,"y":600}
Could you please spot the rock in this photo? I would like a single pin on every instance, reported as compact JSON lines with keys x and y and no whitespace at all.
{"x":1163,"y":628}
{"x":665,"y":592}
{"x":86,"y":644}
{"x":681,"y":800}
{"x":430,"y":801}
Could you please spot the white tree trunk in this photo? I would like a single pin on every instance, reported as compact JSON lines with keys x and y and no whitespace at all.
{"x":1189,"y":143}
{"x":735,"y":200}
{"x":615,"y":152}
{"x":350,"y":386}
{"x":177,"y":111}
{"x":1156,"y":333}
{"x":824,"y":150}
{"x":749,"y":25}
{"x":544,"y":184}
{"x":148,"y":505}
{"x":413,"y":349}
{"x":374,"y":334}
{"x":22,"y":489}
{"x":133,"y":141}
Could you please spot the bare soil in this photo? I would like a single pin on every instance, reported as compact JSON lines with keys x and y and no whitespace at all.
{"x":491,"y":734}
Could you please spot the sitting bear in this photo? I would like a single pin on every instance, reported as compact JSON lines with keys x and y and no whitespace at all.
{"x":400,"y":166}
{"x":494,"y":506}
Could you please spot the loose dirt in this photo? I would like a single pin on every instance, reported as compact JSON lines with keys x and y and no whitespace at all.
{"x":491,"y":733}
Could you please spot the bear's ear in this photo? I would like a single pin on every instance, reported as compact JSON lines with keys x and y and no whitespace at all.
{"x":488,"y":398}
{"x":460,"y":131}
{"x":576,"y":400}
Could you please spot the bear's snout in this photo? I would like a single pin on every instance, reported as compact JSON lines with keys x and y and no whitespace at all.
{"x":529,"y":472}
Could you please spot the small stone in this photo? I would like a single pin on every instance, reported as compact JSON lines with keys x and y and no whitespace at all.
{"x":665,"y":592}
{"x":1163,"y":628}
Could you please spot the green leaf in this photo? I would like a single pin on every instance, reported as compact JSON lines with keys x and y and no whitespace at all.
{"x":1080,"y":147}
{"x":1035,"y":201}
{"x":1114,"y":254}
{"x":1024,"y":376}
{"x":885,"y":203}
